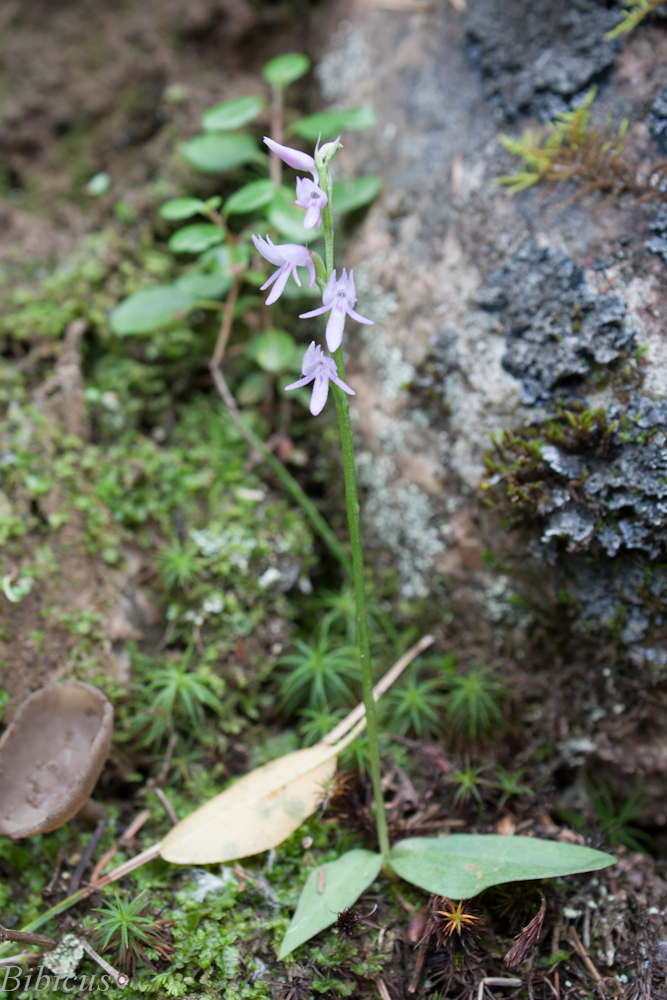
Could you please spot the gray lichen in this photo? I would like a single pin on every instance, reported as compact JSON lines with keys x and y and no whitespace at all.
{"x":558,"y":329}
{"x":535,"y":56}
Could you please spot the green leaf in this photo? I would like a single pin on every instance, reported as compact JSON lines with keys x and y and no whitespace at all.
{"x":195,"y":238}
{"x":182,"y":208}
{"x":199,"y":285}
{"x":250,"y":197}
{"x":287,"y":218}
{"x":285,"y":69}
{"x":150,"y":309}
{"x":329,"y":889}
{"x":346,"y":196}
{"x":232,"y":114}
{"x":273,"y":350}
{"x":212,"y":153}
{"x":252,"y":389}
{"x":332,"y":123}
{"x":463,"y":864}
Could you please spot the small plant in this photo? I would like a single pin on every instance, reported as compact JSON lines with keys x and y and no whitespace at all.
{"x":129,"y":928}
{"x":510,"y":784}
{"x":415,"y":706}
{"x":178,"y":564}
{"x":178,"y":695}
{"x":571,"y":149}
{"x":473,"y":703}
{"x":468,"y":782}
{"x":616,"y":822}
{"x":320,"y":674}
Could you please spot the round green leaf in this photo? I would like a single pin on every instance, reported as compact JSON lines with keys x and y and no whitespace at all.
{"x":463,"y":864}
{"x":199,"y":285}
{"x":232,"y":114}
{"x":250,"y":197}
{"x":252,"y":389}
{"x":212,"y":153}
{"x":285,"y":69}
{"x":329,"y":889}
{"x":182,"y":208}
{"x":150,"y":309}
{"x":195,"y":238}
{"x":346,"y":196}
{"x":332,"y":123}
{"x":274,"y":350}
{"x":287,"y":218}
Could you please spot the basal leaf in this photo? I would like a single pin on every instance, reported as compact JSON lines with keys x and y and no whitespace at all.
{"x":355,"y":193}
{"x":332,"y":123}
{"x":182,"y":208}
{"x":231,"y":114}
{"x":150,"y":309}
{"x":329,"y":889}
{"x":195,"y":238}
{"x":255,"y":814}
{"x":250,"y":197}
{"x":287,"y":218}
{"x":212,"y":153}
{"x":461,"y":865}
{"x":285,"y":69}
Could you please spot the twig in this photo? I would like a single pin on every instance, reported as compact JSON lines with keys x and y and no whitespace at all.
{"x":86,"y":856}
{"x":226,"y":325}
{"x":120,"y":978}
{"x":358,"y":713}
{"x":26,"y":937}
{"x":586,"y":959}
{"x":126,"y":836}
{"x":23,"y":956}
{"x":166,"y":804}
{"x":382,"y":989}
{"x":496,"y":981}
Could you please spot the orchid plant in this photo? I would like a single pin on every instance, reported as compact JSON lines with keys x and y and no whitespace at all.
{"x":457,"y":866}
{"x":262,"y":808}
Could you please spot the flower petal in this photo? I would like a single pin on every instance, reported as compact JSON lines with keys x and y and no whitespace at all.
{"x":299,"y":382}
{"x":314,"y":312}
{"x":359,"y":319}
{"x":292,"y":157}
{"x":281,"y":280}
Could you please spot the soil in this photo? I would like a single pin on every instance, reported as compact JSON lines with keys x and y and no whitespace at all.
{"x":463,"y":283}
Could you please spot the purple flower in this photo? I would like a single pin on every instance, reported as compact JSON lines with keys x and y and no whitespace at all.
{"x":322,"y":370}
{"x":311,"y":197}
{"x":288,"y":256}
{"x":339,"y":296}
{"x":292,"y":157}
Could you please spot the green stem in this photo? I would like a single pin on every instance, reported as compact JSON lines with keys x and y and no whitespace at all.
{"x":352,"y":503}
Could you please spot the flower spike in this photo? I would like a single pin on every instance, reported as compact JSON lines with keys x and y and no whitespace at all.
{"x":339,"y":296}
{"x":317,"y":368}
{"x":288,"y":256}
